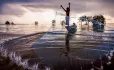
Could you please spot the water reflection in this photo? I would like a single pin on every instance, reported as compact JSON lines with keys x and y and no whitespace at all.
{"x":67,"y":42}
{"x":67,"y":47}
{"x":53,"y":26}
{"x":7,"y":28}
{"x":68,"y":37}
{"x":98,"y":28}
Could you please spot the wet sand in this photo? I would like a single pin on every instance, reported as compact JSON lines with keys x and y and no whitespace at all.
{"x":5,"y":62}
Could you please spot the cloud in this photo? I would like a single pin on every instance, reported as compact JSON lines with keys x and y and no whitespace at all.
{"x":4,"y":6}
{"x":92,"y":7}
{"x":78,"y":6}
{"x":12,"y":9}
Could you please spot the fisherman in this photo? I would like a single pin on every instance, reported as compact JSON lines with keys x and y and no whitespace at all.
{"x":74,"y":25}
{"x":71,"y":29}
{"x":67,"y":10}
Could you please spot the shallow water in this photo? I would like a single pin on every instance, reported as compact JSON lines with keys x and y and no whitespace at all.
{"x":56,"y":48}
{"x":14,"y":31}
{"x":29,"y":29}
{"x":23,"y":29}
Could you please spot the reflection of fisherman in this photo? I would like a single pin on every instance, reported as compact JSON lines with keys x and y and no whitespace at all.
{"x":67,"y":44}
{"x":67,"y":10}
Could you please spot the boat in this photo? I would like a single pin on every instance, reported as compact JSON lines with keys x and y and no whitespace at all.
{"x":72,"y":28}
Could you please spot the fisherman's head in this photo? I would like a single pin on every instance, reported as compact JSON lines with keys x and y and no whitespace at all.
{"x":74,"y":24}
{"x":68,"y":8}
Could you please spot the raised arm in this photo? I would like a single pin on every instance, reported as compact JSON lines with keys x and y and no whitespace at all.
{"x":63,"y":8}
{"x":69,"y":5}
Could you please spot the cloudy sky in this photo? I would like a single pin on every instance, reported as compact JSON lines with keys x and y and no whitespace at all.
{"x":28,"y":11}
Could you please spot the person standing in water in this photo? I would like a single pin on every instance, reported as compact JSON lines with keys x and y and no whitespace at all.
{"x":67,"y":10}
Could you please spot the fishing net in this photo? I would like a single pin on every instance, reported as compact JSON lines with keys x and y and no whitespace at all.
{"x":72,"y":51}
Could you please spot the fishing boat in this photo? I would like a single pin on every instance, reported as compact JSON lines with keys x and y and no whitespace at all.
{"x":72,"y":28}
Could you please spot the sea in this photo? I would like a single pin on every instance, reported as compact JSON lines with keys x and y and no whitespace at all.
{"x":14,"y":31}
{"x":24,"y":28}
{"x":30,"y":28}
{"x":58,"y":51}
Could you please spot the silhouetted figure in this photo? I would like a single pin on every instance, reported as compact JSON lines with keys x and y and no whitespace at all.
{"x":62,"y":22}
{"x":36,"y":23}
{"x":7,"y":23}
{"x":71,"y":29}
{"x":67,"y":10}
{"x":53,"y":22}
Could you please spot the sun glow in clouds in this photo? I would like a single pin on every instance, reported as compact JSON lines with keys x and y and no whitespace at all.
{"x":46,"y":16}
{"x":31,"y":17}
